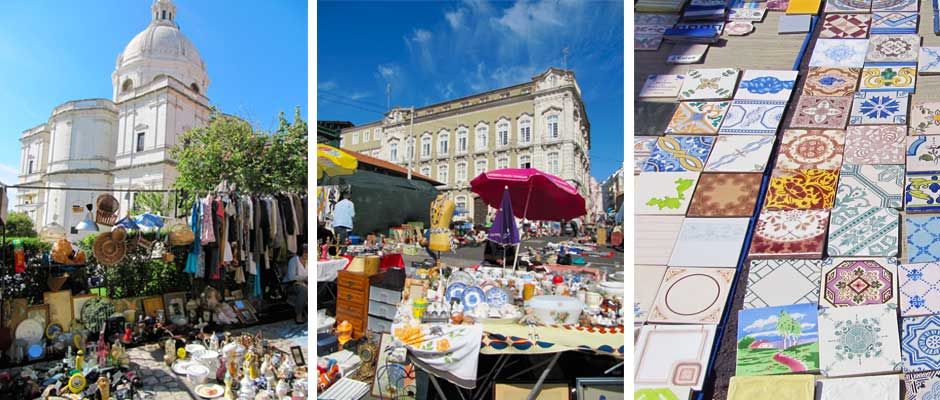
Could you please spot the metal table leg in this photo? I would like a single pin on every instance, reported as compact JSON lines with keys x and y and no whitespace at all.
{"x":437,"y":386}
{"x":538,"y":385}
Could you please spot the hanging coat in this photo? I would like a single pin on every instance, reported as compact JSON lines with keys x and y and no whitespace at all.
{"x":195,"y":222}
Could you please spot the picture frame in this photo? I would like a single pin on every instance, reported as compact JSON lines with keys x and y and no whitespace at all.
{"x":246,"y":316}
{"x":39,"y":312}
{"x":152,"y":304}
{"x":78,"y":301}
{"x":174,"y":303}
{"x":415,"y":288}
{"x":237,"y":294}
{"x":608,"y":388}
{"x":297,"y":353}
{"x":60,"y":307}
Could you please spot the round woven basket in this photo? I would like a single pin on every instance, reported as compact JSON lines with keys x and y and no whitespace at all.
{"x":108,"y":251}
{"x":108,"y":207}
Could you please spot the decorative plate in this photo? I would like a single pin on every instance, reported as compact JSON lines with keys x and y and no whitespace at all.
{"x":181,"y":367}
{"x":739,"y":28}
{"x":462,"y":277}
{"x":472,"y":297}
{"x":30,"y":330}
{"x":496,"y":297}
{"x":209,"y":391}
{"x":454,"y":290}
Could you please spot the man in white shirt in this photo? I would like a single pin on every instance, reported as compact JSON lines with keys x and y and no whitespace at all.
{"x":343,"y":214}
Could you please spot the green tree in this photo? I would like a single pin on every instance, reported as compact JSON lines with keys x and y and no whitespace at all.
{"x":788,"y":328}
{"x":20,"y":225}
{"x":745,"y":342}
{"x":152,"y":202}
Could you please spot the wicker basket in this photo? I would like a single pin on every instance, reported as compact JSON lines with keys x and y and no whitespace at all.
{"x":108,"y":207}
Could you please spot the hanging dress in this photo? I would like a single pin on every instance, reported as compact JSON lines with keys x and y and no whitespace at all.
{"x":192,"y":261}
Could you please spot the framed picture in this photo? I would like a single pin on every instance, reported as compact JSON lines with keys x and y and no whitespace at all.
{"x":237,"y":294}
{"x":298,"y":355}
{"x":415,"y":288}
{"x":60,"y":307}
{"x":78,"y":301}
{"x":39,"y":313}
{"x":246,"y":316}
{"x":152,"y":304}
{"x":15,"y":311}
{"x":606,"y":388}
{"x":512,"y":391}
{"x":175,"y":303}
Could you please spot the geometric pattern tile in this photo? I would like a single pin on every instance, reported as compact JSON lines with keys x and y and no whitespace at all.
{"x":881,"y":108}
{"x":725,"y":195}
{"x":922,"y":193}
{"x":919,"y":289}
{"x":754,"y":117}
{"x":679,"y":153}
{"x":698,"y":117}
{"x":920,"y":343}
{"x":831,"y":81}
{"x":821,"y":112}
{"x":845,"y":26}
{"x":780,"y":282}
{"x":811,"y":149}
{"x":859,"y":340}
{"x":870,"y":186}
{"x":863,"y":231}
{"x":928,"y":62}
{"x":875,"y":145}
{"x":850,"y":282}
{"x":642,"y":147}
{"x":846,"y":53}
{"x":742,"y":153}
{"x":789,"y":234}
{"x":709,"y":84}
{"x":894,"y":22}
{"x":892,"y":49}
{"x":811,"y":189}
{"x":848,"y":6}
{"x":766,"y":85}
{"x":922,"y":235}
{"x":925,"y":119}
{"x":922,"y":385}
{"x":897,"y":78}
{"x":675,"y":305}
{"x":664,"y":193}
{"x":894,"y":5}
{"x":923,"y":154}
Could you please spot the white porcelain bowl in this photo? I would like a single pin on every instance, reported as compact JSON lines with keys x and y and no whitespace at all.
{"x":556,"y":310}
{"x":612,"y":288}
{"x":198,"y":373}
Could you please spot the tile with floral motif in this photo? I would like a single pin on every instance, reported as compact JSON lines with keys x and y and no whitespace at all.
{"x":831,"y":81}
{"x":875,"y":144}
{"x":709,"y":84}
{"x":679,"y":153}
{"x":859,"y":6}
{"x":789,"y":234}
{"x":740,"y":153}
{"x":725,"y":195}
{"x":821,"y":112}
{"x":698,"y":117}
{"x":811,"y":149}
{"x":922,"y":193}
{"x":812,"y":189}
{"x":889,"y":79}
{"x":923,"y":153}
{"x":872,"y":348}
{"x":892,"y":49}
{"x":844,"y":53}
{"x":879,"y":108}
{"x":925,"y":119}
{"x":863,"y":232}
{"x":870,"y":186}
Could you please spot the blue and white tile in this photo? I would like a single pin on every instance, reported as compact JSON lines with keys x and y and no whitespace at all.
{"x":929,"y":61}
{"x":863,"y":232}
{"x":920,"y":343}
{"x":922,"y":193}
{"x":894,"y":5}
{"x":870,"y":186}
{"x":740,"y":153}
{"x":879,"y":108}
{"x":849,"y":53}
{"x":922,"y":238}
{"x":888,"y":22}
{"x":874,"y":350}
{"x":766,"y":85}
{"x":679,"y":153}
{"x":919,"y":289}
{"x":753,"y":117}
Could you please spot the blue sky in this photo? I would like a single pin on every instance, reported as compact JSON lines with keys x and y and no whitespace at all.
{"x":761,"y":323}
{"x":56,"y":51}
{"x":433,"y":51}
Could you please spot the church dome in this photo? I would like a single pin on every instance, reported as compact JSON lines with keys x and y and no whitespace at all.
{"x":160,"y":41}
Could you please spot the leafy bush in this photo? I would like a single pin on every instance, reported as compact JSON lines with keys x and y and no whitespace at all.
{"x":19,"y":224}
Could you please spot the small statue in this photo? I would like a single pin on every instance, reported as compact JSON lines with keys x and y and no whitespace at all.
{"x":214,"y":342}
{"x":80,"y":360}
{"x":128,"y":334}
{"x":104,"y":387}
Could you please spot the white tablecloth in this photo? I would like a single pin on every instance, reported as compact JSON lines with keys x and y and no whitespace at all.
{"x":327,"y":270}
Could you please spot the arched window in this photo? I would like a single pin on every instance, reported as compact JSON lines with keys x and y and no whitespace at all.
{"x":127,"y":85}
{"x":502,"y":134}
{"x":480,"y":167}
{"x":502,"y":162}
{"x":461,"y":172}
{"x":461,"y":140}
{"x":426,"y":146}
{"x":442,"y":173}
{"x":525,"y":130}
{"x":525,"y":161}
{"x":551,"y":124}
{"x":482,"y":139}
{"x":443,"y":144}
{"x":393,"y":152}
{"x":554,"y":167}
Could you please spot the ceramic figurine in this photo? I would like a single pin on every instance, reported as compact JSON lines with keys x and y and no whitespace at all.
{"x":104,"y":387}
{"x":214,"y":342}
{"x":80,"y":360}
{"x":127,"y":334}
{"x":246,"y":388}
{"x":282,"y":388}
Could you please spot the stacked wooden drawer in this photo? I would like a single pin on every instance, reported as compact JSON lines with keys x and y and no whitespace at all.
{"x":351,"y":300}
{"x":383,"y":304}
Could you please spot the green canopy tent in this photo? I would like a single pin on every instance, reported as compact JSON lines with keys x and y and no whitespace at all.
{"x":383,"y":201}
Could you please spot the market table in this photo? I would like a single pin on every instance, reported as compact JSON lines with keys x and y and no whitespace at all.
{"x":327,"y":269}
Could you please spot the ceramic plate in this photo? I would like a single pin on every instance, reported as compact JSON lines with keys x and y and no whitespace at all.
{"x":181,"y":367}
{"x":472,"y":297}
{"x":30,"y":331}
{"x":454,"y":290}
{"x":210,"y":391}
{"x":496,"y":297}
{"x":462,"y":277}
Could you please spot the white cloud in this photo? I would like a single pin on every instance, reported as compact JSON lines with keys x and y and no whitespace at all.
{"x":447,"y":91}
{"x":526,"y":19}
{"x":761,"y":323}
{"x":455,"y":18}
{"x":421,"y":36}
{"x":359,"y":95}
{"x":807,"y":325}
{"x":388,"y":71}
{"x":328,"y":85}
{"x":797,"y":316}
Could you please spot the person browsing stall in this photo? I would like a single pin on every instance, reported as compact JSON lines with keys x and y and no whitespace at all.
{"x":343,"y":215}
{"x":296,"y":281}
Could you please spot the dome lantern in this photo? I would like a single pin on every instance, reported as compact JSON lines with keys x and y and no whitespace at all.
{"x":164,"y":11}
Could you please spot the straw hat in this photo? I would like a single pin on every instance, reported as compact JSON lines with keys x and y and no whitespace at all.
{"x":108,"y":207}
{"x":108,"y":250}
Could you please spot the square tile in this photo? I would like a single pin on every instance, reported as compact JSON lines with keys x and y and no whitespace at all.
{"x":654,"y":238}
{"x":777,"y":340}
{"x":811,"y":149}
{"x":664,"y":193}
{"x":789,"y":233}
{"x":922,"y":192}
{"x":698,"y":117}
{"x":780,"y":387}
{"x":662,"y":86}
{"x":645,"y":19}
{"x":889,"y":79}
{"x":892,"y":49}
{"x":679,"y":154}
{"x":821,"y":112}
{"x":863,"y":231}
{"x":709,"y":242}
{"x":721,"y":194}
{"x":648,"y":279}
{"x":812,"y":189}
{"x":848,"y":6}
{"x":642,"y":148}
{"x":920,"y":343}
{"x":860,"y":388}
{"x":740,"y":153}
{"x":929,"y":60}
{"x":845,"y":26}
{"x":894,"y":5}
{"x":870,"y":186}
{"x":925,"y":119}
{"x":859,"y":340}
{"x":780,"y":282}
{"x":881,"y":144}
{"x":919,"y":289}
{"x":879,"y":108}
{"x":921,"y":385}
{"x":753,"y":117}
{"x":686,"y":53}
{"x":892,"y":22}
{"x":790,"y":23}
{"x":922,"y":237}
{"x":709,"y":84}
{"x":647,"y":42}
{"x":674,"y":304}
{"x":923,"y":154}
{"x":781,"y":5}
{"x":846,"y":53}
{"x":804,"y":7}
{"x":766,"y":85}
{"x":664,"y":353}
{"x":831,"y":81}
{"x":850,"y":282}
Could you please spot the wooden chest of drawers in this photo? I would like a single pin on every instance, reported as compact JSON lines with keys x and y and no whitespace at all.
{"x":352,"y":300}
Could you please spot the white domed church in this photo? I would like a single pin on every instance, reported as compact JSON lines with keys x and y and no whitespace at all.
{"x":159,"y":85}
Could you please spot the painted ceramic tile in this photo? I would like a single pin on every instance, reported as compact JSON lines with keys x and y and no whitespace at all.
{"x":850,"y":282}
{"x":709,"y":84}
{"x":673,"y":355}
{"x":860,"y":388}
{"x":845,"y":26}
{"x":831,"y":81}
{"x":811,"y":149}
{"x":922,"y":193}
{"x":923,"y":154}
{"x":766,"y":85}
{"x":664,"y":193}
{"x":647,"y":42}
{"x":747,"y":14}
{"x":920,"y":343}
{"x":847,"y":53}
{"x":919,"y":289}
{"x":778,"y":5}
{"x":929,"y":60}
{"x":804,"y":7}
{"x":789,"y":233}
{"x":661,"y":392}
{"x":642,"y":148}
{"x":859,"y":340}
{"x":642,"y":19}
{"x":679,"y":153}
{"x":777,"y":340}
{"x":870,"y":186}
{"x":821,"y":112}
{"x":781,"y":387}
{"x":753,"y":117}
{"x":891,"y":49}
{"x":894,"y":5}
{"x":848,"y":5}
{"x":922,"y":237}
{"x":894,"y":22}
{"x":709,"y":242}
{"x":698,"y":117}
{"x":889,"y":79}
{"x":812,"y":189}
{"x":674,"y":305}
{"x":780,"y":282}
{"x":863,"y":231}
{"x":922,"y":385}
{"x":879,"y":108}
{"x":740,"y":153}
{"x":662,"y":86}
{"x":792,"y":23}
{"x":725,"y":195}
{"x":925,"y":119}
{"x":654,"y":238}
{"x":883,"y":144}
{"x":648,"y":279}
